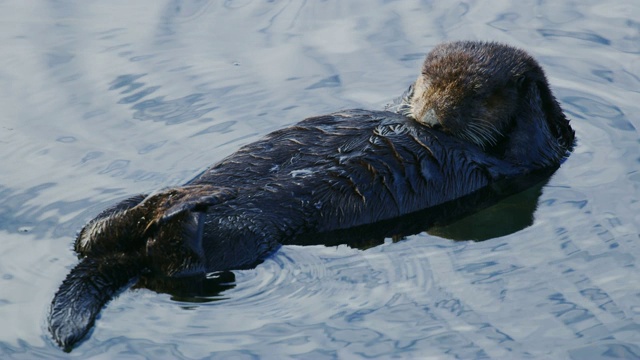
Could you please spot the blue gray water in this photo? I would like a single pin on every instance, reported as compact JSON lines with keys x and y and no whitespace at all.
{"x":100,"y":100}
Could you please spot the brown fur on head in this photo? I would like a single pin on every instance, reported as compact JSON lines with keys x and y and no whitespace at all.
{"x":477,"y":90}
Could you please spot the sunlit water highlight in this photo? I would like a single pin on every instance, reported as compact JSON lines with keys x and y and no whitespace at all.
{"x":102,"y":100}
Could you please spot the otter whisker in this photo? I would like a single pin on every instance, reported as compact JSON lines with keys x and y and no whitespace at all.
{"x":489,"y":126}
{"x":479,"y":134}
{"x":493,"y":127}
{"x":487,"y":131}
{"x":471,"y":135}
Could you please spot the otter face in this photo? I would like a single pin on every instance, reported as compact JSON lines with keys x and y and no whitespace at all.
{"x":472,"y":90}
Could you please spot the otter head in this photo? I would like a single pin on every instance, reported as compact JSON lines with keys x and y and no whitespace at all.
{"x":493,"y":95}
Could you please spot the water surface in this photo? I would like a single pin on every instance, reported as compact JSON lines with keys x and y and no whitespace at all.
{"x":100,"y":101}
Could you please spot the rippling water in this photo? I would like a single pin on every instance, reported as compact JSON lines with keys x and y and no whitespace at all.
{"x":102,"y":100}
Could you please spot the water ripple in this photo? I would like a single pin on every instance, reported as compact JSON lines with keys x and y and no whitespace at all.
{"x":99,"y":103}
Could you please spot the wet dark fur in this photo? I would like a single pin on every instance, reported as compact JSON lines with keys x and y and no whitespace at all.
{"x":326,"y":173}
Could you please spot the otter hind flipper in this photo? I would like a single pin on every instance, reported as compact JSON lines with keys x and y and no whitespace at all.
{"x":86,"y":289}
{"x":196,"y":198}
{"x":123,"y":205}
{"x":112,"y":230}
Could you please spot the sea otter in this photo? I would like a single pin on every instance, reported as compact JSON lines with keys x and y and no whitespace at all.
{"x":478,"y":113}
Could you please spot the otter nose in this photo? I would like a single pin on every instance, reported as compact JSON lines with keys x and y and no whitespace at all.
{"x":430,"y":118}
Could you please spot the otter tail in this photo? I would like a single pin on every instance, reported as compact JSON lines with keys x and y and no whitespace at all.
{"x":87,"y":288}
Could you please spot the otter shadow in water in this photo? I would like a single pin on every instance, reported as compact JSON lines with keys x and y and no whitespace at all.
{"x":480,"y":123}
{"x":194,"y":289}
{"x":508,"y":216}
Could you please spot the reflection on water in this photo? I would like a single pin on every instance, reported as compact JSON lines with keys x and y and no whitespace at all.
{"x":191,"y":290}
{"x":100,"y":102}
{"x":510,"y":215}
